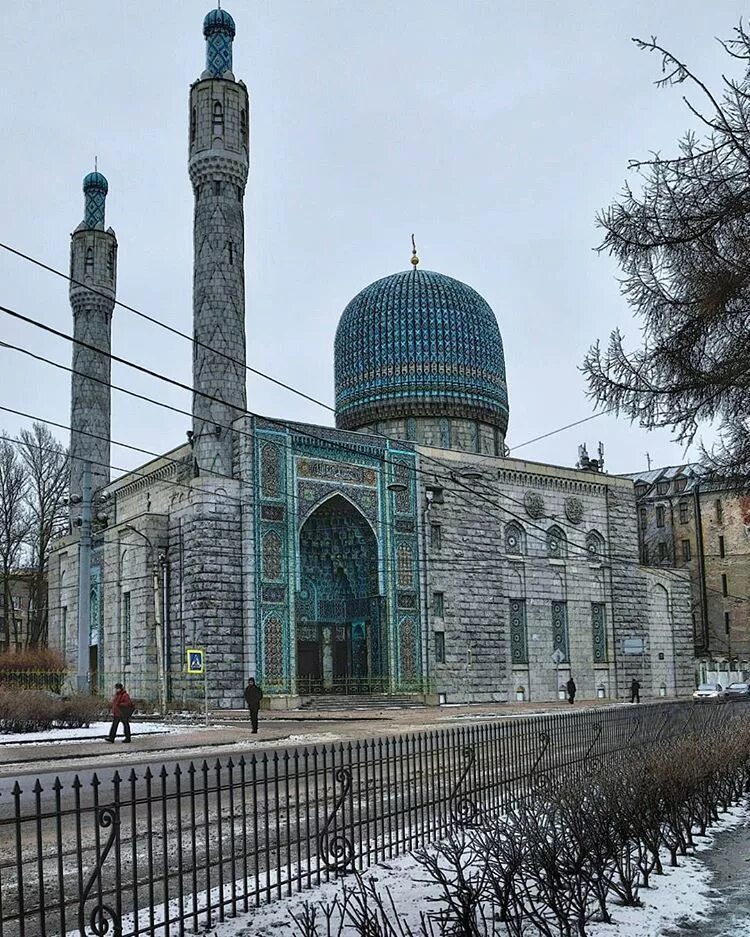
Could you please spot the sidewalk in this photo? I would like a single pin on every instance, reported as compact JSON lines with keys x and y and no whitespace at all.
{"x":229,"y":733}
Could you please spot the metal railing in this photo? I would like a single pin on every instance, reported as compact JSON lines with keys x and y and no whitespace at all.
{"x":170,"y":850}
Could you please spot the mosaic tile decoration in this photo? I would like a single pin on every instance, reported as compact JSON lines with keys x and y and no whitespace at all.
{"x":599,"y":631}
{"x":419,"y":342}
{"x":219,"y":30}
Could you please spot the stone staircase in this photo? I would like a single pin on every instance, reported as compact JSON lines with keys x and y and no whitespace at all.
{"x":377,"y":701}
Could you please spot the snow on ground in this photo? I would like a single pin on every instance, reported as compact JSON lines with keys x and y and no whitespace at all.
{"x":680,"y":898}
{"x":97,"y":730}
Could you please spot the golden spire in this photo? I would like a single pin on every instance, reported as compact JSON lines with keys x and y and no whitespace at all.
{"x":414,"y":258}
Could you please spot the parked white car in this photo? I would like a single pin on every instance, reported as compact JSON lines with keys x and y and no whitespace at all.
{"x":709,"y":692}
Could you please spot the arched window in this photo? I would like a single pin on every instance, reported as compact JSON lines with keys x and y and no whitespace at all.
{"x":243,"y":127}
{"x":193,"y":125}
{"x":89,"y":259}
{"x":515,"y":539}
{"x":111,"y":263}
{"x":595,"y":545}
{"x":218,"y":119}
{"x":557,"y":544}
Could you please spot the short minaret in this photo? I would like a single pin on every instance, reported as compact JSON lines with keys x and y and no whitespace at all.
{"x":219,"y":147}
{"x":93,"y":271}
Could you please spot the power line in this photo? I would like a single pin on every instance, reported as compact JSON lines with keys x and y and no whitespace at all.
{"x":296,"y":428}
{"x":194,"y":341}
{"x":165,"y":325}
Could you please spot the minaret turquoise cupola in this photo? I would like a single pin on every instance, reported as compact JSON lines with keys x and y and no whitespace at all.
{"x":219,"y":30}
{"x":93,"y":271}
{"x":95,"y":188}
{"x":218,"y":166}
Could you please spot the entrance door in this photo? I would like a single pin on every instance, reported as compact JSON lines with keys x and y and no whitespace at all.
{"x":309,"y":666}
{"x":341,"y":658}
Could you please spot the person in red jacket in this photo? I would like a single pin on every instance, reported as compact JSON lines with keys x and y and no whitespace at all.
{"x":122,"y":710}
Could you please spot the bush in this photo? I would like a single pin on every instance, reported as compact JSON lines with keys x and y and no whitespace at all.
{"x":38,"y":668}
{"x":38,"y":711}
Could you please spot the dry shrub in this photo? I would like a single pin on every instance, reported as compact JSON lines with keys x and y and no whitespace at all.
{"x":38,"y":668}
{"x":38,"y":711}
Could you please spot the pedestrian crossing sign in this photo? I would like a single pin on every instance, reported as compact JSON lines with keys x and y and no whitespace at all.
{"x":195,"y":660}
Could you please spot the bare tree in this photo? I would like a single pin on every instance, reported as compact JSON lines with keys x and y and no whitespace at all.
{"x":680,"y":238}
{"x":46,"y":465}
{"x":14,"y":525}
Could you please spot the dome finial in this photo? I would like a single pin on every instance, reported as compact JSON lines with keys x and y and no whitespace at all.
{"x":414,"y":258}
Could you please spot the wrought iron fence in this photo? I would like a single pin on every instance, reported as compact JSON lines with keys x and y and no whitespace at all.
{"x":170,"y":850}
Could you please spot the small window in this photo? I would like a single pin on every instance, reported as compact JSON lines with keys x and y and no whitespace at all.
{"x":644,"y":518}
{"x":217,"y":188}
{"x":719,"y":511}
{"x":595,"y":545}
{"x":193,"y":125}
{"x":662,"y":488}
{"x":640,"y":490}
{"x":726,"y":622}
{"x":111,"y":263}
{"x":724,"y":584}
{"x":662,"y":551}
{"x":660,"y":515}
{"x":439,"y":647}
{"x":436,"y":536}
{"x":16,"y":602}
{"x":243,"y":127}
{"x":683,"y":512}
{"x":218,"y":119}
{"x":438,"y":604}
{"x":721,"y":547}
{"x":515,"y":541}
{"x":680,"y":484}
{"x":686,"y":555}
{"x":230,"y":253}
{"x":557,"y":546}
{"x":89,"y":259}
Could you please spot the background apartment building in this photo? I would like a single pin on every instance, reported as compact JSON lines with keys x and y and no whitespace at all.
{"x":689,"y":520}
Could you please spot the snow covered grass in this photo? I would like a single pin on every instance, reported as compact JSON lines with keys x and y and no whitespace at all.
{"x":680,"y":897}
{"x":97,"y":730}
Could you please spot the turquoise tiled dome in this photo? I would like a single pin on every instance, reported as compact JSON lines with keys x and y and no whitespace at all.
{"x":95,"y":180}
{"x":419,"y":343}
{"x":218,"y":20}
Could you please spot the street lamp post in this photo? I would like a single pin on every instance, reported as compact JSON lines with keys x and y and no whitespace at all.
{"x":158,"y":625}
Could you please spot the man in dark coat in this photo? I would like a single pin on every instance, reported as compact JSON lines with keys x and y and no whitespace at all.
{"x":253,"y":696}
{"x":570,"y":686}
{"x":635,"y":691}
{"x":122,"y":710}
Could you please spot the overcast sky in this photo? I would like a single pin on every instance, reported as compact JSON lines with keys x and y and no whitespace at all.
{"x":493,"y":129}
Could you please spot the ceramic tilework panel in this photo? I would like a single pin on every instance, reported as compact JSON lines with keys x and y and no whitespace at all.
{"x":560,"y":628}
{"x":518,"y":640}
{"x":310,"y":471}
{"x":599,"y":631}
{"x":419,"y":342}
{"x":219,"y":30}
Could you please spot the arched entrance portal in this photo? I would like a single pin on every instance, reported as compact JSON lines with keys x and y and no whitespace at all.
{"x":339,"y":641}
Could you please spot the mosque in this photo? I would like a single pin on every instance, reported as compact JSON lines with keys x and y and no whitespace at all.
{"x":401,"y":552}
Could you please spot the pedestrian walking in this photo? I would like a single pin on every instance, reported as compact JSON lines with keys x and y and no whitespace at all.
{"x":570,"y":686}
{"x":122,"y":711}
{"x":635,"y":691}
{"x":253,"y":696}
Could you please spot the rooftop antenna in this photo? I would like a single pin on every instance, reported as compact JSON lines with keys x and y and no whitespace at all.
{"x":414,"y":258}
{"x":96,"y":163}
{"x":648,"y":461}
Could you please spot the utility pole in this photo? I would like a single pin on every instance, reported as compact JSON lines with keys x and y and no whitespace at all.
{"x":84,"y":580}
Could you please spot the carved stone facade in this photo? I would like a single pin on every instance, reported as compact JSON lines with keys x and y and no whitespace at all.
{"x":408,"y":556}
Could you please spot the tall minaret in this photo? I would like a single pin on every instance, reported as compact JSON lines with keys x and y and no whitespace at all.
{"x":219,"y":145}
{"x":93,"y":271}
